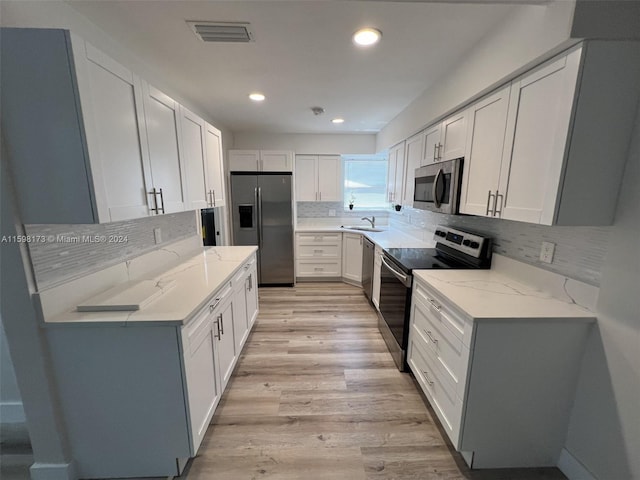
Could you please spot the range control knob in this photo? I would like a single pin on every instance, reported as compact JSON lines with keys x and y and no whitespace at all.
{"x":440,"y":233}
{"x":474,"y":245}
{"x":466,"y":243}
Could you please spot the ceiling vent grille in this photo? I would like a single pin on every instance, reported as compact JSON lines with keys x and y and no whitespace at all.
{"x":233,"y":32}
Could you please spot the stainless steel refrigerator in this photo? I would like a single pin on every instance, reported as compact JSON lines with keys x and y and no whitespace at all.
{"x":262,"y":215}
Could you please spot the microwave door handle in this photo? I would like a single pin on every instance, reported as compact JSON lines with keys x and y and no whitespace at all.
{"x":436,"y":181}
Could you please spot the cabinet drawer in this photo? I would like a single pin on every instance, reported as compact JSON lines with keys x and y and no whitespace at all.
{"x":442,"y":313}
{"x":319,"y":238}
{"x":198,"y":329}
{"x":319,"y":251}
{"x":319,"y":269}
{"x":447,"y":348}
{"x":439,"y":391}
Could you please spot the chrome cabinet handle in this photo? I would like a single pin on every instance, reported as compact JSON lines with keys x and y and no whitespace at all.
{"x":440,"y":151}
{"x":489,"y":211}
{"x":435,"y":150}
{"x":162,"y":200}
{"x":250,"y":279}
{"x":154,"y":192}
{"x":434,"y":304}
{"x":426,"y":376}
{"x":213,"y":191}
{"x":221,"y":324}
{"x":497,"y":212}
{"x":217,"y":332}
{"x":215,"y":303}
{"x":430,"y":335}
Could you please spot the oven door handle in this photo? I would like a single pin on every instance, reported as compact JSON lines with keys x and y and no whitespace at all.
{"x":400,"y":276}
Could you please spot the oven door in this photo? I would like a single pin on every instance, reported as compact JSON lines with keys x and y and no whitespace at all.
{"x":437,"y":186}
{"x":394,"y":304}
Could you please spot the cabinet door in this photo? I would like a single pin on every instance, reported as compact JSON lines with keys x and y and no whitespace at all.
{"x":453,"y":136}
{"x":214,"y":166}
{"x":485,"y":142}
{"x":244,"y":160}
{"x":377,"y":265}
{"x":224,"y":329}
{"x":193,"y":142}
{"x":413,"y":157}
{"x":240,"y":323}
{"x":161,"y":120}
{"x":352,"y":257}
{"x":203,"y":384}
{"x":537,"y":131}
{"x":111,"y":100}
{"x":251,"y":296}
{"x":431,"y":143}
{"x":329,"y":178}
{"x":306,"y":179}
{"x":276,"y":161}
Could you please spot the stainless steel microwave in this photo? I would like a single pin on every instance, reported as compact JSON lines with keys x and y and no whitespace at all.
{"x":437,"y":186}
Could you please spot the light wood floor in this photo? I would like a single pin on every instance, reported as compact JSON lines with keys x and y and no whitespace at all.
{"x":316,"y":395}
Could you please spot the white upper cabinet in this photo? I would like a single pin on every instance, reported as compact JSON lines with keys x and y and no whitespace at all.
{"x":445,"y":140}
{"x":162,"y":136}
{"x":485,"y":142}
{"x":215,"y":185}
{"x":110,"y":98}
{"x":318,"y":178}
{"x":193,"y":141}
{"x":413,"y":158}
{"x":260,"y":160}
{"x":395,"y":173}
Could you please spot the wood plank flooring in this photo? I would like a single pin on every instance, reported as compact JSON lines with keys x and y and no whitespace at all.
{"x":316,"y":395}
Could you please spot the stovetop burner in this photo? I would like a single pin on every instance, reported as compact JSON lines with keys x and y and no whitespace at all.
{"x":409,"y":259}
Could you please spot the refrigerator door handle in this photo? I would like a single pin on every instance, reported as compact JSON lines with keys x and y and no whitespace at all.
{"x":259,"y":215}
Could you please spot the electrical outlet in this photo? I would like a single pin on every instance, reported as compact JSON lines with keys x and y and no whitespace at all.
{"x":157,"y":235}
{"x":546,"y":252}
{"x":332,"y":212}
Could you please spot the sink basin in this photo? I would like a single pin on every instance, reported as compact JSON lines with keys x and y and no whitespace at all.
{"x":364,"y":229}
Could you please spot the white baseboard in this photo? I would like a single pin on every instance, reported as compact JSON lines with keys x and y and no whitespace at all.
{"x":572,"y":468}
{"x":11,"y":412}
{"x":53,"y":471}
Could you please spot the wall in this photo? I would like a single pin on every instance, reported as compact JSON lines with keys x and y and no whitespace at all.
{"x":579,"y":252}
{"x":58,"y":14}
{"x":66,"y":253}
{"x":604,"y":433}
{"x":532,"y":33}
{"x":307,"y":143}
{"x":11,"y":410}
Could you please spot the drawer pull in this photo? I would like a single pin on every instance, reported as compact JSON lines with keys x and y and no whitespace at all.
{"x":430,"y":335}
{"x":318,"y":251}
{"x":434,"y":304}
{"x":426,"y":376}
{"x":214,"y":305}
{"x":318,"y":269}
{"x":317,"y":239}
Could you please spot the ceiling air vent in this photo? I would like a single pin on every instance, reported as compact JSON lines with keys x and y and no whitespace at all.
{"x":236,"y":32}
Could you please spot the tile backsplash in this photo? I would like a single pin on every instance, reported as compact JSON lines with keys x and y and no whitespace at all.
{"x":321,"y":210}
{"x":579,"y":251}
{"x":71,"y":251}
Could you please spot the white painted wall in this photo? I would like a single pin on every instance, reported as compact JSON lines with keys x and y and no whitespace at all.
{"x":604,"y":432}
{"x":306,"y":143}
{"x":11,"y":410}
{"x":58,"y":14}
{"x":529,"y":35}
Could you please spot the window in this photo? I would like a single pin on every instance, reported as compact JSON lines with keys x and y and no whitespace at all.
{"x":365,"y":182}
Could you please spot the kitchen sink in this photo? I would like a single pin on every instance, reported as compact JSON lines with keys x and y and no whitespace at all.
{"x":364,"y":229}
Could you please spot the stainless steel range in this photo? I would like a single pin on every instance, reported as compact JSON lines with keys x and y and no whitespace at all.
{"x":454,"y":249}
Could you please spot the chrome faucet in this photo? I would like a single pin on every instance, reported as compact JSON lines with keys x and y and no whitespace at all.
{"x":371,"y":220}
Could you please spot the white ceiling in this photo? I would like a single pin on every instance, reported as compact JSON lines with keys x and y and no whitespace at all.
{"x":302,"y":56}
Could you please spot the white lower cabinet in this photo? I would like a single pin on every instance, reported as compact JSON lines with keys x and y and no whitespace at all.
{"x":352,"y":257}
{"x":158,"y":385}
{"x":502,"y":388}
{"x":318,"y":255}
{"x":377,"y":265}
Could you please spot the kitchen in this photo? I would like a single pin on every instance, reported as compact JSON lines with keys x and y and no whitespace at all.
{"x":601,"y":434}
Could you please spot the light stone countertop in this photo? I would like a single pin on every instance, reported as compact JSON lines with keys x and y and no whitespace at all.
{"x":492,"y":294}
{"x":194,"y":282}
{"x":388,"y":238}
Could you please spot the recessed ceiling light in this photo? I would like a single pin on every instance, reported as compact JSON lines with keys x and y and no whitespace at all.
{"x":257,"y":97}
{"x":338,"y":120}
{"x":366,"y":37}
